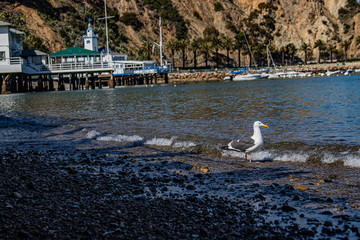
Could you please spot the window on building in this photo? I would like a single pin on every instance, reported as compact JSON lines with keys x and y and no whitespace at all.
{"x":88,"y":42}
{"x":2,"y":56}
{"x":37,"y":60}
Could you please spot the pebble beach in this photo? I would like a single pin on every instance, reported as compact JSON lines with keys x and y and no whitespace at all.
{"x":144,"y":192}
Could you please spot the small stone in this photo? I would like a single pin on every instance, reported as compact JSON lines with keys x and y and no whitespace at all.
{"x":190,"y":187}
{"x":301,"y":187}
{"x":205,"y":169}
{"x":287,"y":208}
{"x":296,"y":198}
{"x":196,"y":167}
{"x":16,"y":195}
{"x":9,"y":206}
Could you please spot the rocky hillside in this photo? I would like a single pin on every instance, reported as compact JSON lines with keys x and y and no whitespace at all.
{"x":53,"y":25}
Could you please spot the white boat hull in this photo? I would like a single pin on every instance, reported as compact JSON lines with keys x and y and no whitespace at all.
{"x":247,"y":77}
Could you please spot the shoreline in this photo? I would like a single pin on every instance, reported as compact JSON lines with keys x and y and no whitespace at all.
{"x":137,"y":191}
{"x":219,"y":74}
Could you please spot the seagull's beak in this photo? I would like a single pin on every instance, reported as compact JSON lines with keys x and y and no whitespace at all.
{"x":266,"y":126}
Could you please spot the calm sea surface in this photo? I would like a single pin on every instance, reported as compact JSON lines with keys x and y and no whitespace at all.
{"x":303,"y":114}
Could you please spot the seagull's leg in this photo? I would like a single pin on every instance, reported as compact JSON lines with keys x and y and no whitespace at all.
{"x":249,"y":158}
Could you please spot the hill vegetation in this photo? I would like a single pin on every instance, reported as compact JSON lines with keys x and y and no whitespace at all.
{"x":197,"y":33}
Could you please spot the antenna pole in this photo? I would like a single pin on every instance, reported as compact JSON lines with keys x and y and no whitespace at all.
{"x":106,"y":29}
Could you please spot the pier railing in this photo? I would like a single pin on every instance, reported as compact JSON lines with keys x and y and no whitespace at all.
{"x":78,"y":66}
{"x":11,"y":61}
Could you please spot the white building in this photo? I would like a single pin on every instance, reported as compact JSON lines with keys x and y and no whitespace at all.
{"x":11,"y":46}
{"x":91,"y":39}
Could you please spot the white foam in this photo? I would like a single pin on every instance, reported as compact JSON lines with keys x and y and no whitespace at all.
{"x":352,"y":160}
{"x":233,"y":154}
{"x":261,"y":155}
{"x":92,"y":134}
{"x":330,"y":158}
{"x":292,"y":157}
{"x":160,"y":141}
{"x":121,"y":138}
{"x":185,"y":144}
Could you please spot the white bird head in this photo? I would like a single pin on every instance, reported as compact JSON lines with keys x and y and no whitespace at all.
{"x":259,"y":124}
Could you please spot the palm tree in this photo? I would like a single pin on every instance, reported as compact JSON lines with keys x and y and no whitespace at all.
{"x":346,"y":44}
{"x":206,"y":49}
{"x":228,"y":45}
{"x":305,"y":48}
{"x":194,"y":46}
{"x":239,"y":44}
{"x":283,"y":51}
{"x":216,"y":43}
{"x":183,"y":45}
{"x":321,"y":45}
{"x":332,"y":50}
{"x":172,"y":46}
{"x":291,"y":49}
{"x":147,"y":47}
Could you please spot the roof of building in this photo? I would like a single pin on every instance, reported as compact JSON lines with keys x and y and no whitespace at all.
{"x":30,"y":52}
{"x":74,"y":51}
{"x":13,"y":30}
{"x":4,"y":23}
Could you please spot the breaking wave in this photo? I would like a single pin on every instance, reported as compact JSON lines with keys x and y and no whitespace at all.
{"x":286,"y":152}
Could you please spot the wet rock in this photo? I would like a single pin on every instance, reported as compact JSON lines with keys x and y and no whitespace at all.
{"x":205,"y":169}
{"x":16,"y":195}
{"x":190,"y":187}
{"x":329,"y":200}
{"x":287,"y":208}
{"x":260,"y":197}
{"x":330,"y":178}
{"x":328,"y":224}
{"x":31,"y":186}
{"x":327,"y":213}
{"x":296,"y":198}
{"x":71,"y":169}
{"x":301,"y":187}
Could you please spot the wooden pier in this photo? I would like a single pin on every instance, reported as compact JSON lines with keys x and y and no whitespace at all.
{"x":21,"y":83}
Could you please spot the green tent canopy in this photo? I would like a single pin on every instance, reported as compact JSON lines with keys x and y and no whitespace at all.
{"x":74,"y":51}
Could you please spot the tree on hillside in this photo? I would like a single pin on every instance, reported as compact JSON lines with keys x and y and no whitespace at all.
{"x":216,"y":43}
{"x":228,"y":45}
{"x":292,"y":51}
{"x":183,"y":45}
{"x":283,"y":52}
{"x":320,"y":44}
{"x":346,"y":44}
{"x":171,"y":45}
{"x":210,"y":32}
{"x":147,"y":48}
{"x":206,"y":49}
{"x":194,"y":47}
{"x":239,"y":45}
{"x":332,"y":49}
{"x":306,"y":49}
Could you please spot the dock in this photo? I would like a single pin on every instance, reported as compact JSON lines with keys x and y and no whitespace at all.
{"x":74,"y":68}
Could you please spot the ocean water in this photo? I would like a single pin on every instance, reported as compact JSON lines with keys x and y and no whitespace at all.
{"x":310,"y":119}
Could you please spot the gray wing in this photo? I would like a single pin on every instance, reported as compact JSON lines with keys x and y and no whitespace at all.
{"x":242,"y":144}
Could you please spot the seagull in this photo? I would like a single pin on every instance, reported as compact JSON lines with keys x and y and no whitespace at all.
{"x":248,"y":144}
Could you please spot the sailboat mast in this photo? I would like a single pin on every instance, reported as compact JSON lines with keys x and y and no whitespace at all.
{"x":251,"y":55}
{"x":267,"y":55}
{"x":161,"y":43}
